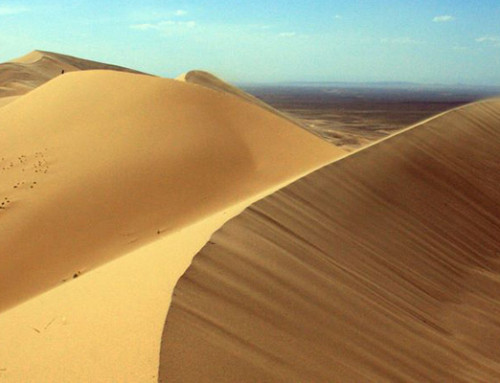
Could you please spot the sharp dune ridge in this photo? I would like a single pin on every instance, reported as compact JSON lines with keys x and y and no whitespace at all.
{"x":38,"y":56}
{"x":383,"y":266}
{"x":208,"y":80}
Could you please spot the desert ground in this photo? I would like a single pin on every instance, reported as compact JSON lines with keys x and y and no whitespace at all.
{"x":353,"y":115}
{"x":186,"y":230}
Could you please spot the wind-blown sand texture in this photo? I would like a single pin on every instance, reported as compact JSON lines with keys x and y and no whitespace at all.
{"x":383,"y":266}
{"x":97,"y":165}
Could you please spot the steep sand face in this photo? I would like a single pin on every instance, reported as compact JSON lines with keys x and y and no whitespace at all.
{"x":384,"y":266}
{"x":208,"y":80}
{"x":21,"y":75}
{"x":104,"y":326}
{"x":95,"y":164}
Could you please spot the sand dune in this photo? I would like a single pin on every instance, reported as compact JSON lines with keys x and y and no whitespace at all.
{"x":91,"y":176}
{"x":21,"y":75}
{"x":102,"y":166}
{"x":208,"y":80}
{"x":383,"y":266}
{"x":104,"y":326}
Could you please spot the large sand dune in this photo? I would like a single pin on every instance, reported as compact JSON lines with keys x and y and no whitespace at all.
{"x":99,"y":162}
{"x":22,"y":75}
{"x":383,"y":266}
{"x":101,"y":166}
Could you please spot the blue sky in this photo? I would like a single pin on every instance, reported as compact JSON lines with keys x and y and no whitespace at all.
{"x":269,"y":40}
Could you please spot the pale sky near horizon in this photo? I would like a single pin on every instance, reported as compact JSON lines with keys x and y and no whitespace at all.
{"x":422,"y":41}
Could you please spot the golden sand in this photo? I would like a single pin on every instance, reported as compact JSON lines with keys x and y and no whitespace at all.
{"x":103,"y":166}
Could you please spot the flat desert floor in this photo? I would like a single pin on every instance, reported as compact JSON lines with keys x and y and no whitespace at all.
{"x":352,"y":117}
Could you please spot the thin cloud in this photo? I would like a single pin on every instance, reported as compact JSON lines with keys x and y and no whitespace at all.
{"x":488,"y":38}
{"x":156,"y":15}
{"x":143,"y":27}
{"x":180,"y":12}
{"x":164,"y":26}
{"x":401,"y":41}
{"x":337,"y":17}
{"x":7,"y":10}
{"x":443,"y":19}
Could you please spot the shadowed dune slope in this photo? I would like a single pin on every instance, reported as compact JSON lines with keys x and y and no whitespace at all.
{"x":25,"y":73}
{"x":208,"y":80}
{"x":97,"y":163}
{"x":384,"y":266}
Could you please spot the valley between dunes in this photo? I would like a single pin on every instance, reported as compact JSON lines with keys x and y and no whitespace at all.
{"x":157,"y":230}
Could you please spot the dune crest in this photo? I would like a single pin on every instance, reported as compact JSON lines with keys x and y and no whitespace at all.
{"x":211,"y":81}
{"x":22,"y":75}
{"x":383,"y":266}
{"x":29,"y":58}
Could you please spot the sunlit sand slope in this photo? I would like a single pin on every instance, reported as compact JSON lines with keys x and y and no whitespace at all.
{"x":97,"y":163}
{"x":384,"y":266}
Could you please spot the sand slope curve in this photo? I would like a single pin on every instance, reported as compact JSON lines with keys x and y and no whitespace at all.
{"x":110,"y":183}
{"x":90,"y":176}
{"x":211,"y":81}
{"x":384,"y":266}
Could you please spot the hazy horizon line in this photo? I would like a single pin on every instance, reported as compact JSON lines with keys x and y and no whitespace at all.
{"x":378,"y":83}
